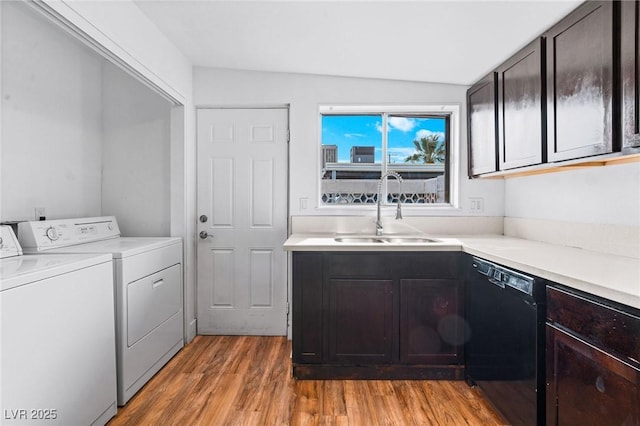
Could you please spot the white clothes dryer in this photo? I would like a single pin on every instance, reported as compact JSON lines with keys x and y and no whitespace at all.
{"x":57,"y":350}
{"x":148,"y":289}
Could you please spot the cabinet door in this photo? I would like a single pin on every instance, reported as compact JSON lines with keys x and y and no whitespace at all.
{"x":587,"y":386}
{"x":482,"y":122}
{"x":521,"y":130}
{"x":360,"y":321}
{"x":579,"y":83}
{"x":630,"y":71}
{"x":431,"y":327}
{"x":307,"y":307}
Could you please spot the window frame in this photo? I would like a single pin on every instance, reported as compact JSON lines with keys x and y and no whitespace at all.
{"x":452,"y":166}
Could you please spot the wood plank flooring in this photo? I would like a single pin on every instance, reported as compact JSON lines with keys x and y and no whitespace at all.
{"x":244,"y":380}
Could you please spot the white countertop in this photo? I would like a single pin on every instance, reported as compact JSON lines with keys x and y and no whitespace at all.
{"x":605,"y":275}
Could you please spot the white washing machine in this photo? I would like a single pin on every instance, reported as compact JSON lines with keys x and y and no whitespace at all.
{"x":57,"y":341}
{"x":148,"y":289}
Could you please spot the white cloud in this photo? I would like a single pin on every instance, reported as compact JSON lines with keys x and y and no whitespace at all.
{"x":354,"y":135}
{"x":403,"y":124}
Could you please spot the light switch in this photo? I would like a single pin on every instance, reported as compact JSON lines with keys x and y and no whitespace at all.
{"x":476,"y":205}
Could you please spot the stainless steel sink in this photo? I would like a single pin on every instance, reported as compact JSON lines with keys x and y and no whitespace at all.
{"x":410,"y":240}
{"x":385,"y":240}
{"x":359,"y":240}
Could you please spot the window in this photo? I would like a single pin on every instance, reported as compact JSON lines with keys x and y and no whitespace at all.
{"x":358,"y":146}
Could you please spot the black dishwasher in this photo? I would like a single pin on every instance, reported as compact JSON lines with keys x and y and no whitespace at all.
{"x":504,"y":355}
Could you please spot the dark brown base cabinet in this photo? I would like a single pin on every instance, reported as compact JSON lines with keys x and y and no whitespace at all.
{"x":593,"y":372}
{"x":377,"y":315}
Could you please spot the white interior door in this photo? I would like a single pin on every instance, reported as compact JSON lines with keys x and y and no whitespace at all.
{"x":242,"y":191}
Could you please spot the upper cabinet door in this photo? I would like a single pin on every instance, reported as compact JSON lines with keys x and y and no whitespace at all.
{"x":630,"y":73}
{"x":521,"y":130}
{"x":580,"y":83}
{"x":482,"y":120}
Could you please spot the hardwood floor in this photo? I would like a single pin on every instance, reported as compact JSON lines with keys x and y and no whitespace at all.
{"x":243,"y":380}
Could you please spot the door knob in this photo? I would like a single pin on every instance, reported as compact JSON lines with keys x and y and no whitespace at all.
{"x":204,"y":235}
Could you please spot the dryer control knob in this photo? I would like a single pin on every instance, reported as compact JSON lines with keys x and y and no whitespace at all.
{"x":52,"y":233}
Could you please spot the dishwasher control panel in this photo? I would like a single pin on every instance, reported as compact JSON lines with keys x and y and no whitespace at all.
{"x":503,"y":277}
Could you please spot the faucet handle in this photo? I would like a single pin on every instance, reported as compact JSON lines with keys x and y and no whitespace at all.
{"x":399,"y":209}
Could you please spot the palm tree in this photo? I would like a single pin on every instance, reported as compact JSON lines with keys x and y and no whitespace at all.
{"x":429,"y":150}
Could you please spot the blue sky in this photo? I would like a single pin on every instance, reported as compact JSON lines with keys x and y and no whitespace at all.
{"x":346,"y":131}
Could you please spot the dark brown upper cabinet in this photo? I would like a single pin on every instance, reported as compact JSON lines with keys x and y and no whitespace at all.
{"x":580,"y":85}
{"x":521,"y":107}
{"x":630,"y":75}
{"x":482,"y":121}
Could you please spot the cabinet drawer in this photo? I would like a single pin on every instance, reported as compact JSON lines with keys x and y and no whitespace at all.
{"x":597,"y":323}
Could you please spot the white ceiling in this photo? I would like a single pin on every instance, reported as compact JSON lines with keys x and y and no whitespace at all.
{"x":434,"y":41}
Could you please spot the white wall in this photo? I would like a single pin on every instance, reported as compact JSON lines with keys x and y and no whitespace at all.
{"x":597,"y":195}
{"x":135,"y":156}
{"x":124,"y":31}
{"x":51,"y":120}
{"x":304,"y":93}
{"x":124,"y":34}
{"x":81,"y":136}
{"x":121,"y":29}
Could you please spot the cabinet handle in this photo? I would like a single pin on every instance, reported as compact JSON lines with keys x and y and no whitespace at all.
{"x":157,"y":283}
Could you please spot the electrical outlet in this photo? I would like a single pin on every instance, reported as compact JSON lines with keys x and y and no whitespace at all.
{"x":476,"y":205}
{"x":40,"y":214}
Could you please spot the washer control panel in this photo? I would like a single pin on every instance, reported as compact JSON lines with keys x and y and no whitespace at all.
{"x":9,"y":245}
{"x":36,"y":236}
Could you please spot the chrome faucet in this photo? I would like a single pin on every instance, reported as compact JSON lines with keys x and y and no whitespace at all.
{"x":379,"y":228}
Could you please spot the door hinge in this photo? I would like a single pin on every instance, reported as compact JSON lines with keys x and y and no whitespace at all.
{"x":287,"y":308}
{"x":288,"y":135}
